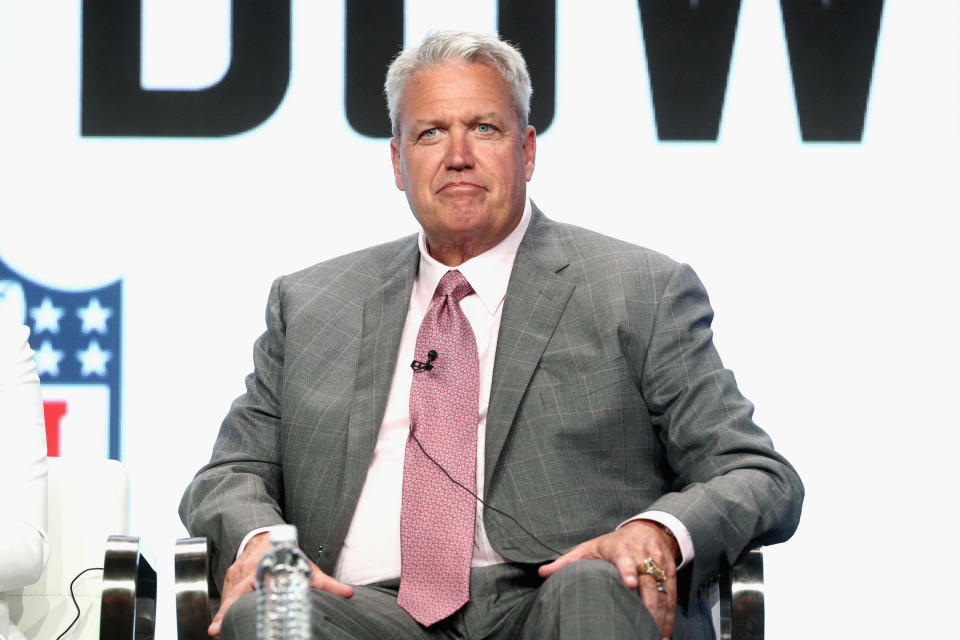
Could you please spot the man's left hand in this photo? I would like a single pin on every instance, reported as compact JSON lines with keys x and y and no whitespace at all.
{"x":626,"y":548}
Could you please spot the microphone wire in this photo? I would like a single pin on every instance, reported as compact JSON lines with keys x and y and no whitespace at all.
{"x":74,"y":598}
{"x":478,"y":498}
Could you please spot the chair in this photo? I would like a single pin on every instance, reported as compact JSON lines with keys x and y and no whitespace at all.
{"x":737,"y":596}
{"x":738,"y":610}
{"x":197,"y":596}
{"x":88,"y":521}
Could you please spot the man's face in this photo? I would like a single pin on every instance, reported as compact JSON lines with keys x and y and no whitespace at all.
{"x":462,"y":158}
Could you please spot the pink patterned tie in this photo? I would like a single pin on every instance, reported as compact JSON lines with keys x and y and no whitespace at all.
{"x":437,"y":516}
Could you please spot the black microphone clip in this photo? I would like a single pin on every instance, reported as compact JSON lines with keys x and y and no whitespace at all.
{"x":418,"y":366}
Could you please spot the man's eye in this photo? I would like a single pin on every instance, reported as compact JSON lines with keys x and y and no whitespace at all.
{"x":484,"y":128}
{"x":430,"y":133}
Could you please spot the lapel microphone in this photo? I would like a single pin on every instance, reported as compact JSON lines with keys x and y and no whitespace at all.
{"x":418,"y":366}
{"x":427,"y":365}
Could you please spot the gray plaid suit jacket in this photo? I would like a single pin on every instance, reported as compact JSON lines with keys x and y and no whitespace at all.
{"x":608,"y":398}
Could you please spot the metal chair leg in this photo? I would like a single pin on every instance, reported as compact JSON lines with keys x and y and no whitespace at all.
{"x":741,"y":598}
{"x":128,"y":606}
{"x":196,"y":593}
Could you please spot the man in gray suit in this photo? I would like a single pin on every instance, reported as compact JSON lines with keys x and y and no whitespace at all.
{"x":617,"y":462}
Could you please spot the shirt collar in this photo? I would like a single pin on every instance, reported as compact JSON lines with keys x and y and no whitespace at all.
{"x":488,"y":273}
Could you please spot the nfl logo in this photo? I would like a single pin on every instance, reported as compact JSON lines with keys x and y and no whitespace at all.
{"x":77,"y":339}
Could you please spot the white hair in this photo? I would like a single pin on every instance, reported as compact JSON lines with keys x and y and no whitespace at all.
{"x":441,"y":46}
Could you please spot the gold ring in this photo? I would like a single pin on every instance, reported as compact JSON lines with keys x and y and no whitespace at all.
{"x":652,"y":569}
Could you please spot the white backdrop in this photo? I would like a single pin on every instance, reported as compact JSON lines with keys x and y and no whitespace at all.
{"x":831,"y":267}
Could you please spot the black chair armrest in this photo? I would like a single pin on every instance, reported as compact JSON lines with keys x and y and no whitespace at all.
{"x":128,"y":602}
{"x":741,"y":598}
{"x":197,"y":597}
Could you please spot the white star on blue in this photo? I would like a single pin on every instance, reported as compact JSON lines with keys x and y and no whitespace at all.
{"x":94,"y":317}
{"x":93,"y":360}
{"x":46,"y":317}
{"x":48,"y":359}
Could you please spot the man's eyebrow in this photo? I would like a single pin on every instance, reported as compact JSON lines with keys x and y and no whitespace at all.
{"x":438,"y":122}
{"x":424,"y":123}
{"x":491,"y":115}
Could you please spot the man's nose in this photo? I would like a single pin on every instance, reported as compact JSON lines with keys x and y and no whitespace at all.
{"x":459,"y":151}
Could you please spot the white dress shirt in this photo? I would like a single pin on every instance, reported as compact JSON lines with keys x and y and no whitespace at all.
{"x":371,"y":549}
{"x":23,"y":470}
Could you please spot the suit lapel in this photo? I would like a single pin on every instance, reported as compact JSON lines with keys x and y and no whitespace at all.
{"x":384,"y":311}
{"x":536,"y":298}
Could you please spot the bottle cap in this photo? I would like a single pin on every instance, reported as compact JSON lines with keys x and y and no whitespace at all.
{"x":283,"y":533}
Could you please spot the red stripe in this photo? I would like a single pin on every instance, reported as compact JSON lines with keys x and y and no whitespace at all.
{"x":53,"y":412}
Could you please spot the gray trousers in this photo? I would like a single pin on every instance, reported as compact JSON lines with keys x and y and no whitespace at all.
{"x":585,"y":600}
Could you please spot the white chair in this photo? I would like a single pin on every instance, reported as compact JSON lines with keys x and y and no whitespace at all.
{"x":88,"y":525}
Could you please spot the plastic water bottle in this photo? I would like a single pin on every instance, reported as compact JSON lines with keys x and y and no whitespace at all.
{"x":283,"y":589}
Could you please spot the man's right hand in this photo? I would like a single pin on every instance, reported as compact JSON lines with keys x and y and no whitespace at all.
{"x":241,"y":578}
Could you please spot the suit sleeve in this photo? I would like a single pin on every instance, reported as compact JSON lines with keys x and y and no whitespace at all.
{"x":731,"y":489}
{"x":241,"y":488}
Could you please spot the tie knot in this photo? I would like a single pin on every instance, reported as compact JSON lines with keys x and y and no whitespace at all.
{"x":453,"y":284}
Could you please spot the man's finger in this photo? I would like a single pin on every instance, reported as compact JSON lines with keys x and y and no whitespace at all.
{"x":581,"y":551}
{"x":240,"y":577}
{"x":214,"y":629}
{"x":671,"y":607}
{"x":551,"y":568}
{"x":228,"y":599}
{"x":654,"y":601}
{"x":627,"y":568}
{"x":661,"y":605}
{"x":323,"y":582}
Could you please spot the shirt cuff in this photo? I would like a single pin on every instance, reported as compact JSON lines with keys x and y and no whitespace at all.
{"x":679,"y":531}
{"x":246,"y":538}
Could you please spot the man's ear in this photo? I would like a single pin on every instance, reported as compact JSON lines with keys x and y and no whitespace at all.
{"x":529,"y":150}
{"x":395,"y":158}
